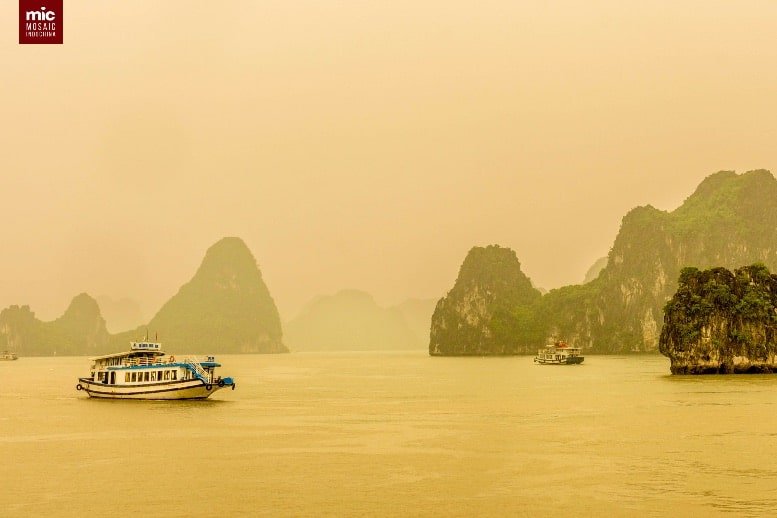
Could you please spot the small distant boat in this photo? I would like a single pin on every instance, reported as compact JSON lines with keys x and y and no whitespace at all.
{"x":7,"y":356}
{"x":559,"y":353}
{"x":145,"y":372}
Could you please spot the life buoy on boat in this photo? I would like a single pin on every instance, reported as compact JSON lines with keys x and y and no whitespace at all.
{"x":208,"y":387}
{"x":172,"y":359}
{"x":79,"y":387}
{"x":221,"y":383}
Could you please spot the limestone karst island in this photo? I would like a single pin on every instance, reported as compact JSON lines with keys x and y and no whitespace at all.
{"x":225,"y":308}
{"x":721,"y":322}
{"x":728,"y":222}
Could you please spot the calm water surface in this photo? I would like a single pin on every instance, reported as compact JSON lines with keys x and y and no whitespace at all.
{"x":394,"y":434}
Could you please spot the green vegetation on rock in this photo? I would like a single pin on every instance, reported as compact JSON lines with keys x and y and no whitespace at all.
{"x":728,"y":221}
{"x":722,"y":322}
{"x":488,"y":309}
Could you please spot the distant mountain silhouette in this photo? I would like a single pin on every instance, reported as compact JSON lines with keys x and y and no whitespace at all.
{"x":80,"y":330}
{"x":121,"y":313}
{"x":418,"y":316}
{"x":225,"y":308}
{"x":351,"y":320}
{"x":595,"y":269}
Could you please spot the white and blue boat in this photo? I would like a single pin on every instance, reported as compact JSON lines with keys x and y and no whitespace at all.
{"x":145,"y":372}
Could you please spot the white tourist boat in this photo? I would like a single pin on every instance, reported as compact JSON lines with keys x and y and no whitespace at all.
{"x":8,"y":356}
{"x":145,"y":372}
{"x":559,"y":353}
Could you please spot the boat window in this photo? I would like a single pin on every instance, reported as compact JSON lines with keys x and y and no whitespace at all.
{"x":159,"y":375}
{"x":126,"y":377}
{"x":145,"y":377}
{"x":134,"y":377}
{"x":153,"y":376}
{"x":174,"y":375}
{"x":167,"y":375}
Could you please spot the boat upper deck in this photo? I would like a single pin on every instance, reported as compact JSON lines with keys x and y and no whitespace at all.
{"x":559,"y":348}
{"x":144,"y":355}
{"x":138,"y":349}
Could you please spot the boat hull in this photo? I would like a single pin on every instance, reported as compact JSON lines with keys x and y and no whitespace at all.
{"x":182,"y":389}
{"x":575,"y":360}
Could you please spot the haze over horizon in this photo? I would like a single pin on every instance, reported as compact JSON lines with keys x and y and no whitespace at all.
{"x":364,"y":146}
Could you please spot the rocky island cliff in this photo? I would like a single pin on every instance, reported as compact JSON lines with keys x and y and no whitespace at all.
{"x":483,"y":312}
{"x":721,"y":322}
{"x":729,"y":220}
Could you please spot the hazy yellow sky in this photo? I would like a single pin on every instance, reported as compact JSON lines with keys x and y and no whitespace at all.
{"x":362,"y":144}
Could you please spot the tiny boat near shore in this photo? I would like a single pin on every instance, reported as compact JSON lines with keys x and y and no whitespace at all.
{"x":7,"y":356}
{"x":145,"y":372}
{"x":559,"y":353}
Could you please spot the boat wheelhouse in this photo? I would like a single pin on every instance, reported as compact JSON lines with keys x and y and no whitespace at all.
{"x":145,"y":372}
{"x":559,"y":353}
{"x":8,"y":356}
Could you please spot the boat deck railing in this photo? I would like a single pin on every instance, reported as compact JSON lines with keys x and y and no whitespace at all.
{"x":145,"y":361}
{"x":191,"y":362}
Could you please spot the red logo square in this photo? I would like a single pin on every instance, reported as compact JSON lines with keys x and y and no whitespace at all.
{"x":40,"y":21}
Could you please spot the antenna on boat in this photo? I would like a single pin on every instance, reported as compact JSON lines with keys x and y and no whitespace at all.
{"x":146,"y":339}
{"x":156,"y":336}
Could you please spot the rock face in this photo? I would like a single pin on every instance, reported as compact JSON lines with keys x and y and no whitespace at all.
{"x":482,"y":314}
{"x":728,"y":221}
{"x":349,"y":320}
{"x":720,"y":322}
{"x":225,"y":307}
{"x":80,"y":330}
